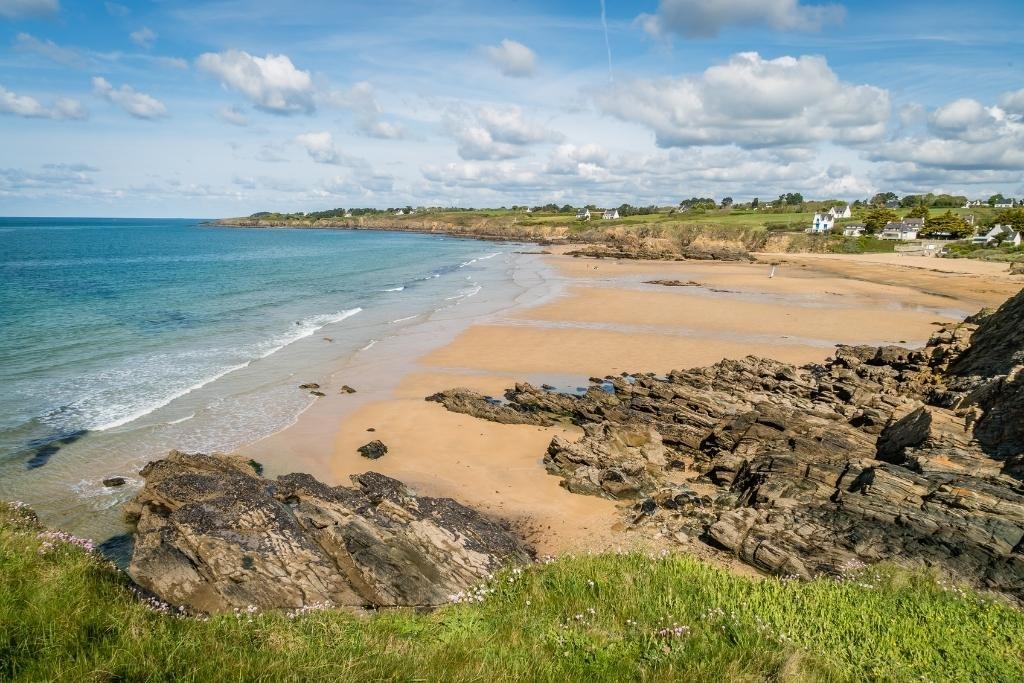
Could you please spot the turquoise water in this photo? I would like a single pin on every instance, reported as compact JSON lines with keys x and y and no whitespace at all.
{"x":121,"y":338}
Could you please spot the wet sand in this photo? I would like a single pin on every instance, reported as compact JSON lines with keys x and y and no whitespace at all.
{"x":607,"y":320}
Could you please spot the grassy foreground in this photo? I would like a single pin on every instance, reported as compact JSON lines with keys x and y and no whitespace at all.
{"x":67,"y":615}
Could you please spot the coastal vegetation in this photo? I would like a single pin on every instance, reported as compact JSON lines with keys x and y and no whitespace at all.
{"x":778,"y":225}
{"x":67,"y":614}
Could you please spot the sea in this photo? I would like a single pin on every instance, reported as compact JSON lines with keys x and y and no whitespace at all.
{"x":121,"y":339}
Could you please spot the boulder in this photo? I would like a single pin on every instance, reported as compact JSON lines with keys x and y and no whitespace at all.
{"x":212,"y":535}
{"x":373,"y":450}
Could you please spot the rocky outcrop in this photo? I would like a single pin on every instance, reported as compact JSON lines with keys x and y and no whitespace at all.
{"x":610,"y":460}
{"x":913,"y":455}
{"x":626,"y":251}
{"x":212,"y":535}
{"x":373,"y":450}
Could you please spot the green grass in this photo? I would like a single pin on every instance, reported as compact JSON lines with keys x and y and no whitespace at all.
{"x":985,"y":253}
{"x":67,"y":615}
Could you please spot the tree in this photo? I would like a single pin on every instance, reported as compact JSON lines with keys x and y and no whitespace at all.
{"x":995,"y":199}
{"x":753,"y":204}
{"x":882,"y":198}
{"x":698,"y":203}
{"x":791,"y":198}
{"x":919,"y":211}
{"x":1011,"y":217}
{"x":946,"y":224}
{"x":726,"y":202}
{"x":876,"y":219}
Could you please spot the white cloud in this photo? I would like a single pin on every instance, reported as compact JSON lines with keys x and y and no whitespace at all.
{"x":233,"y":115}
{"x":29,"y":107}
{"x":706,"y":18}
{"x":271,"y":83}
{"x":512,"y":58}
{"x":144,"y":37}
{"x":19,"y":9}
{"x":49,"y":49}
{"x":320,"y":147}
{"x":571,"y":159}
{"x":753,"y":102}
{"x":369,"y":116}
{"x":962,"y":135}
{"x":172,"y":62}
{"x":1013,"y":103}
{"x":139,"y":105}
{"x":496,"y":133}
{"x":116,"y":10}
{"x":51,"y":177}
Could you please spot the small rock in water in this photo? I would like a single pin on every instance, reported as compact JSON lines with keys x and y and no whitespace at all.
{"x":548,"y":387}
{"x":310,"y":385}
{"x":371,"y":429}
{"x":346,"y":389}
{"x":113,"y":482}
{"x":373,"y":450}
{"x":317,"y":393}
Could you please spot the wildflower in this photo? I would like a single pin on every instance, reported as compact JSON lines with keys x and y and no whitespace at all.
{"x":52,"y":538}
{"x":312,"y":607}
{"x":673,"y":631}
{"x":590,"y":583}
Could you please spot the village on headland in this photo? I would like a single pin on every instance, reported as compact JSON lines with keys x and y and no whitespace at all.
{"x":915,"y":224}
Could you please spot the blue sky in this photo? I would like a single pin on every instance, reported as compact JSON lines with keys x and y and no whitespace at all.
{"x":177,"y":108}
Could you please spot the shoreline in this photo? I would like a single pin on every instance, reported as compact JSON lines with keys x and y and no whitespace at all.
{"x":608,"y":320}
{"x":261,"y":396}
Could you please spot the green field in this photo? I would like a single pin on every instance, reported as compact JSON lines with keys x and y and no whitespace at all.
{"x":67,"y":615}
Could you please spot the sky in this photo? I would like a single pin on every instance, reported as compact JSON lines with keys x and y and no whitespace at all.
{"x":224,"y":107}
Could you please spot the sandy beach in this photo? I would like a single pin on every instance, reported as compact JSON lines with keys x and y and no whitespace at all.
{"x":608,"y":319}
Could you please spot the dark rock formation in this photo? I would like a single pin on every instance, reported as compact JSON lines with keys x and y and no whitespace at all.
{"x":915,"y":455}
{"x":674,"y":283}
{"x":373,"y":450}
{"x":212,"y":535}
{"x":626,"y":251}
{"x":114,"y":482}
{"x":716,"y":254}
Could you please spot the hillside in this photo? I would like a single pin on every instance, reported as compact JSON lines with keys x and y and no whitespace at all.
{"x":671,"y":231}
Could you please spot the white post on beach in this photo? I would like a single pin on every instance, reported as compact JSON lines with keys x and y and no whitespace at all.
{"x":771,"y":274}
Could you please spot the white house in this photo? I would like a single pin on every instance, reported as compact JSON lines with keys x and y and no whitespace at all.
{"x":838,"y":213}
{"x":610,"y":214}
{"x":821,"y":224}
{"x":971,"y":203}
{"x":583,"y":215}
{"x":853,"y":230}
{"x":1004,"y":234}
{"x":904,"y":230}
{"x":1006,"y":203}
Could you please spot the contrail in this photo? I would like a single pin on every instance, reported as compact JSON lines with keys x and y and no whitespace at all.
{"x":607,"y":45}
